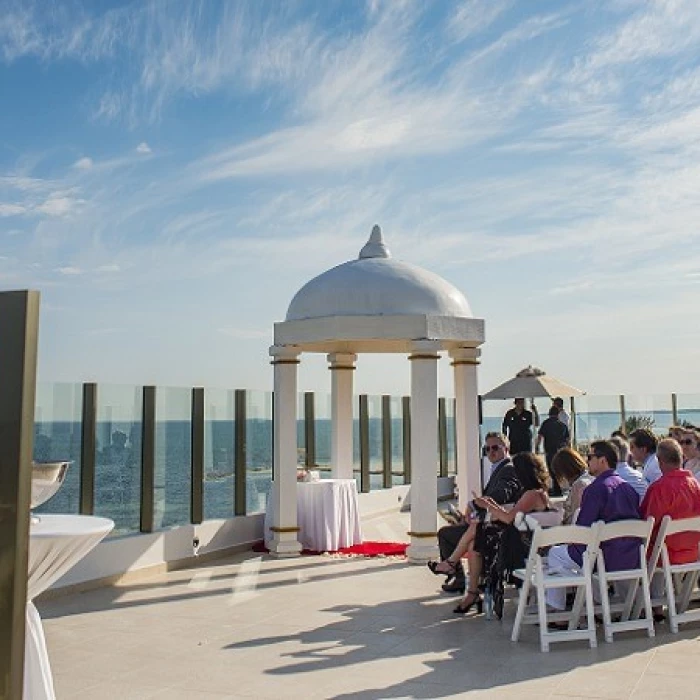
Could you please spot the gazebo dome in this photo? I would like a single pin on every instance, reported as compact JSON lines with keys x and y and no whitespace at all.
{"x":377,"y":285}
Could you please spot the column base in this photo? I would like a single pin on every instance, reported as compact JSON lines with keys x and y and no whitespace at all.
{"x":284,"y":547}
{"x":422,"y":550}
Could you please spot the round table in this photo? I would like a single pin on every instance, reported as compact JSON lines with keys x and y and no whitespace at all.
{"x":56,"y":544}
{"x":328,"y":515}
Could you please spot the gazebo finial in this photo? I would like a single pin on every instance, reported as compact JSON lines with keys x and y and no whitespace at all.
{"x":375,"y":248}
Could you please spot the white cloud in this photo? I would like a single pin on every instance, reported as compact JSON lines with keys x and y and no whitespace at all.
{"x":474,"y":16}
{"x":58,"y":206}
{"x":143,"y":148}
{"x":69,"y":271}
{"x":83,"y":164}
{"x":11,"y":209}
{"x":108,"y":269}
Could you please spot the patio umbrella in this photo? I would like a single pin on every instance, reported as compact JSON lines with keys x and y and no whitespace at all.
{"x":532,"y":382}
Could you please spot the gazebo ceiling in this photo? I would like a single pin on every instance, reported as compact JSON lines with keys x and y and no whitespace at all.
{"x":377,"y":304}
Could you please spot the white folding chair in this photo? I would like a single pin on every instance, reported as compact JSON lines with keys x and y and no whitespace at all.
{"x":640,"y":529}
{"x":684,"y":576}
{"x":536,"y":579}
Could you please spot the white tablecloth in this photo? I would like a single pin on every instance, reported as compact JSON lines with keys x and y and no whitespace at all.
{"x":327,"y":515}
{"x":56,"y":544}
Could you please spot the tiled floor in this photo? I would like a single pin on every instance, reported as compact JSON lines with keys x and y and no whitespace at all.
{"x":320,"y":627}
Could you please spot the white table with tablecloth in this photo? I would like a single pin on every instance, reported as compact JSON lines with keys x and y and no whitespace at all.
{"x":328,"y":515}
{"x":56,"y":544}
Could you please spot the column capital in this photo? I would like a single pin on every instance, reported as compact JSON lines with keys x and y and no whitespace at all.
{"x":425,"y":350}
{"x":284,"y":354}
{"x":341,"y":360}
{"x":465,"y":356}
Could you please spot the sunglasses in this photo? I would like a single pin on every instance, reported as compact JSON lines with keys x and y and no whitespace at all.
{"x":493,"y":448}
{"x":687,"y":441}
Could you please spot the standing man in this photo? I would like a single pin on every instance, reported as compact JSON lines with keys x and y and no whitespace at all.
{"x":517,"y":426}
{"x":608,"y":498}
{"x":503,"y":486}
{"x":643,"y":449}
{"x":555,"y":435}
{"x":562,"y":415}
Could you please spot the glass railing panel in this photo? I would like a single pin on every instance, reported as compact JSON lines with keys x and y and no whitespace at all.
{"x":374,"y":410}
{"x":397,"y":475}
{"x":301,"y":430}
{"x":57,"y":437}
{"x":323,"y":434}
{"x":219,"y":451}
{"x":648,"y":411}
{"x":259,"y":449}
{"x":688,"y":408}
{"x":356,"y":439}
{"x":451,"y":448}
{"x":492,"y":415}
{"x":118,"y":457}
{"x":596,"y":418}
{"x":173,"y":457}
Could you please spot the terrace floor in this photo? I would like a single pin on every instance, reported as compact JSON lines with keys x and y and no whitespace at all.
{"x":250,"y":626}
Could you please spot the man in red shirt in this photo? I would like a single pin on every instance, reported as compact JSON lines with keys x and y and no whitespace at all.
{"x":676,"y":493}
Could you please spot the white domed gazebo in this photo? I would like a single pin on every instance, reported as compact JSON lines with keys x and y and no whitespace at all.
{"x":378,"y":304}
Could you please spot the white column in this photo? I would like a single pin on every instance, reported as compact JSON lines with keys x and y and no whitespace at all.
{"x":284,"y":541}
{"x":465,"y":362}
{"x":342,"y":366}
{"x":424,"y":451}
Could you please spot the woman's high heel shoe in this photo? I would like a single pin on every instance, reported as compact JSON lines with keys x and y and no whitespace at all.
{"x":463,"y":608}
{"x":443,"y":568}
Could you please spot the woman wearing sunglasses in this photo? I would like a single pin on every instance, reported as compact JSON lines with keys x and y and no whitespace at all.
{"x":691,"y":453}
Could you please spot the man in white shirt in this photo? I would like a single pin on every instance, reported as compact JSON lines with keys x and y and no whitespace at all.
{"x":629,"y":474}
{"x":563,"y":416}
{"x":643,"y":448}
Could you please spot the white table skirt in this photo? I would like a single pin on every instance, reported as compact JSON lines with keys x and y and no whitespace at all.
{"x":56,"y":544}
{"x":328,"y":516}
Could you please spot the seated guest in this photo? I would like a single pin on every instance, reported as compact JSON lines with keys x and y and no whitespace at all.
{"x":623,"y":469}
{"x":676,"y":432}
{"x":643,"y":450}
{"x":503,"y":487}
{"x":534,"y":477}
{"x":609,"y":499}
{"x":688,"y":441}
{"x":570,"y":471}
{"x":555,"y":435}
{"x":676,"y":493}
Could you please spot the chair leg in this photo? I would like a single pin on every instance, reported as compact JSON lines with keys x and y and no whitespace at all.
{"x":542,"y":614}
{"x":646,"y":598}
{"x":577,"y":608}
{"x":520,"y":613}
{"x":631,"y":596}
{"x":605,"y":604}
{"x":671,"y":601}
{"x":593,"y":640}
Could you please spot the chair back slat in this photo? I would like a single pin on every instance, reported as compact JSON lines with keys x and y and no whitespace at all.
{"x":627,"y":528}
{"x":682,"y":525}
{"x":565,"y":534}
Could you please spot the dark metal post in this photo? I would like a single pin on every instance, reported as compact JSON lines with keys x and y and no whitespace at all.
{"x":442,"y":436}
{"x":197,"y":458}
{"x":386,"y":441}
{"x":623,"y":414}
{"x":364,"y":444}
{"x":240,"y":465}
{"x":572,"y":422}
{"x":309,"y":430}
{"x":19,"y":321}
{"x":406,"y":432}
{"x":88,"y":449}
{"x":148,"y":458}
{"x":674,"y":409}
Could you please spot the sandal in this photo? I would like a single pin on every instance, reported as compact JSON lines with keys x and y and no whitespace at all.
{"x":464,"y":607}
{"x":443,"y":568}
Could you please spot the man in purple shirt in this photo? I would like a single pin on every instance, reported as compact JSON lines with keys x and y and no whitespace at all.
{"x":609,"y":498}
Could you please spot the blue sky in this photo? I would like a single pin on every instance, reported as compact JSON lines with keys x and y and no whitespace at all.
{"x":172,"y":172}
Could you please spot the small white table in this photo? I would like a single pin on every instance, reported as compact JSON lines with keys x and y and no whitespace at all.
{"x":328,"y":516}
{"x":56,"y":544}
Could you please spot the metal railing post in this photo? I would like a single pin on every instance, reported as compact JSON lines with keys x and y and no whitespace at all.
{"x":19,"y":320}
{"x":309,"y":430}
{"x":197,"y":457}
{"x":88,"y":449}
{"x":386,"y":442}
{"x":364,"y":444}
{"x":442,"y":436}
{"x":674,"y":409}
{"x":240,"y":466}
{"x":406,"y":435}
{"x":572,"y":422}
{"x":623,"y":413}
{"x":148,"y":459}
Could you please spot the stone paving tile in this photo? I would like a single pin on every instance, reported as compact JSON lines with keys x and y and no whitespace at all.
{"x":318,"y":627}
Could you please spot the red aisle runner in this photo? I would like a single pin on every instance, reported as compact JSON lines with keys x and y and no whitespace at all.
{"x":366,"y":549}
